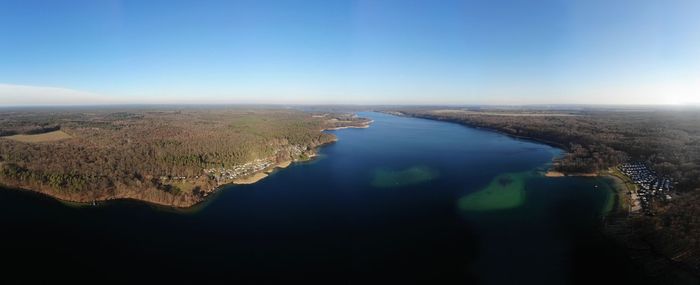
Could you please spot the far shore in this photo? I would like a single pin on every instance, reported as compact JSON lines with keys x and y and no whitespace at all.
{"x":490,"y":129}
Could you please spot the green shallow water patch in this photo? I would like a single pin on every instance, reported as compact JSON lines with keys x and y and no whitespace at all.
{"x":388,"y":178}
{"x":506,"y":191}
{"x":609,"y":186}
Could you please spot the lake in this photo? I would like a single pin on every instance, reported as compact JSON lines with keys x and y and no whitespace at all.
{"x":406,"y":200}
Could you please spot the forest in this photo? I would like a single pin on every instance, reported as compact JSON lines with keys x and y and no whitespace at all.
{"x":668,"y":140}
{"x":150,"y":154}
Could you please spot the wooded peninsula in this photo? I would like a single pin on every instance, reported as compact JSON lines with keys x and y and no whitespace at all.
{"x":173,"y":157}
{"x":665,"y":142}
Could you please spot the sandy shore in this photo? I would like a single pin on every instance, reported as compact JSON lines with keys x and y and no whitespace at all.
{"x":623,"y":198}
{"x":284,"y":164}
{"x":262,"y":174}
{"x":622,"y":189}
{"x":363,"y":126}
{"x":350,"y":127}
{"x":251,"y":179}
{"x":627,"y":191}
{"x":552,"y":173}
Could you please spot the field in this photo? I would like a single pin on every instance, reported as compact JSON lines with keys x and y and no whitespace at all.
{"x":37,"y":138}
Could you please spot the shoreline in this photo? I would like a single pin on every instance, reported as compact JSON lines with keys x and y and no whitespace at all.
{"x":617,"y":223}
{"x":163,"y":199}
{"x":484,"y":128}
{"x":621,"y":187}
{"x":264,"y":173}
{"x":622,"y":204}
{"x":552,"y":173}
{"x":260,"y":175}
{"x":364,"y":125}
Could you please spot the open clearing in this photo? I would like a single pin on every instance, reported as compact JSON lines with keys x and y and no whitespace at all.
{"x":45,"y":137}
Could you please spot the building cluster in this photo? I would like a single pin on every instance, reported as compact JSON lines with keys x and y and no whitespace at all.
{"x":650,"y":185}
{"x":238,"y":171}
{"x":225,"y":175}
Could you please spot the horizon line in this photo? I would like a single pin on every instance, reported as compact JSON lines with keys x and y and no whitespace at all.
{"x":345,"y":104}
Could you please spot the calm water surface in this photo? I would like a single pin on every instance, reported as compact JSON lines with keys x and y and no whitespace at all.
{"x":407,"y":200}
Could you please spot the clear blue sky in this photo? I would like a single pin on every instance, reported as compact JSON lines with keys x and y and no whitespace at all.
{"x":356,"y":52}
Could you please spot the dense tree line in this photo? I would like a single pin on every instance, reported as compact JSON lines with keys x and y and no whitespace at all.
{"x":135,"y":149}
{"x":596,"y":140}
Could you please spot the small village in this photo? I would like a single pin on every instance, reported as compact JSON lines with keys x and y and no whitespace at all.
{"x":650,"y":187}
{"x":226,"y":175}
{"x":239,"y":172}
{"x":223,"y":175}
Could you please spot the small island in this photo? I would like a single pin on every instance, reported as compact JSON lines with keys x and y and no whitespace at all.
{"x":170,"y":157}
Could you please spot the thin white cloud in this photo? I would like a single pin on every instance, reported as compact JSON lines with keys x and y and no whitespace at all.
{"x":678,"y":91}
{"x":18,"y":95}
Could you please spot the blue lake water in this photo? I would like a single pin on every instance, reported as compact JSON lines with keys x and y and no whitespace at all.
{"x":386,"y":203}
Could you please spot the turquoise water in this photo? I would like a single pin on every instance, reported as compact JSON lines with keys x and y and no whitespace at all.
{"x":404,"y":201}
